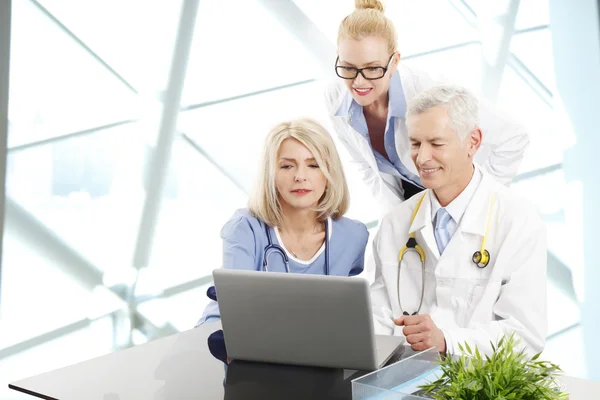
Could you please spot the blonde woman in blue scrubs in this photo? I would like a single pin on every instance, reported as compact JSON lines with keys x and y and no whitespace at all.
{"x":298,"y":204}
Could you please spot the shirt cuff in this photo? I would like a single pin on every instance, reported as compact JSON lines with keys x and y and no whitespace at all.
{"x":210,"y":318}
{"x":450,"y":342}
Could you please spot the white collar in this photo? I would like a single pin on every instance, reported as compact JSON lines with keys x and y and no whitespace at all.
{"x":458,"y":206}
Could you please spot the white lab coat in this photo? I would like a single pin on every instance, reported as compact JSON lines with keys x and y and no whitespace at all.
{"x":500,"y":154}
{"x":467,"y":303}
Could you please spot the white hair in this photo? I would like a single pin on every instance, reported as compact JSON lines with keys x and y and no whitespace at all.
{"x":460,"y":103}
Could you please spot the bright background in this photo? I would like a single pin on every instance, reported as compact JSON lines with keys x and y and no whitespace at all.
{"x":86,"y":83}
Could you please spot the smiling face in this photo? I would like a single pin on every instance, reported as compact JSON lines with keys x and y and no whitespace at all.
{"x":298,"y":179}
{"x":370,"y":51}
{"x":443,"y":160}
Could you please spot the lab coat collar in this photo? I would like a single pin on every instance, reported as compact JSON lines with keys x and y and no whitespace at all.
{"x":344,"y":108}
{"x":475,"y":217}
{"x":423,"y":216}
{"x":423,"y":223}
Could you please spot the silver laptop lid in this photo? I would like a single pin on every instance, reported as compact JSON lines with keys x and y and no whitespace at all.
{"x":296,"y":318}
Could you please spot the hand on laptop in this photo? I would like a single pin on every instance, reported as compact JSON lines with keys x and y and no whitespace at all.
{"x":421,"y":332}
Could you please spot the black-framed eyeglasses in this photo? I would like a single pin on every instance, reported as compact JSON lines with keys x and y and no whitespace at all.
{"x":369,"y":73}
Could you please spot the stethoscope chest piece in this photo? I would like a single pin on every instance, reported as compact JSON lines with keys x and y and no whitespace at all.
{"x":481,"y":260}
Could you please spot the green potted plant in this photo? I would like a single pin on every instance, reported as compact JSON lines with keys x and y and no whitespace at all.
{"x":508,"y":374}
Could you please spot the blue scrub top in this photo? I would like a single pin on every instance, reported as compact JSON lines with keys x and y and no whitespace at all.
{"x":245,"y":239}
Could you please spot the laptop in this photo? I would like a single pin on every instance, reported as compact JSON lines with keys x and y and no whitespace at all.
{"x":300,"y":319}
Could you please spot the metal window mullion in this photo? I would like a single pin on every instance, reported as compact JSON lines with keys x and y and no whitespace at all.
{"x":5,"y":21}
{"x":513,"y":60}
{"x":84,"y":46}
{"x":166,"y":133}
{"x":496,"y":27}
{"x":160,"y":159}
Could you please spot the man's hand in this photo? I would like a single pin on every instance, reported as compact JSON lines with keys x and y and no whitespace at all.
{"x":421,"y":333}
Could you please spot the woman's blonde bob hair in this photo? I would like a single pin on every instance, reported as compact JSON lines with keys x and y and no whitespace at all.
{"x":369,"y":20}
{"x":264,"y":202}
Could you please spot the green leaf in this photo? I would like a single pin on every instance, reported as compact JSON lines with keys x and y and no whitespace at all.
{"x":501,"y":342}
{"x":468,"y":348}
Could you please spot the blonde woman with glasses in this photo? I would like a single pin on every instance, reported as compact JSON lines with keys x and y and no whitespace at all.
{"x":367,"y":104}
{"x":295,"y":219}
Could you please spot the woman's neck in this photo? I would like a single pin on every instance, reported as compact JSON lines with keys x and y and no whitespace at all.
{"x":300,"y":222}
{"x":377,"y":109}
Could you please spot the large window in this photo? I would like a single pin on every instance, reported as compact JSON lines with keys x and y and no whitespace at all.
{"x":87,"y":79}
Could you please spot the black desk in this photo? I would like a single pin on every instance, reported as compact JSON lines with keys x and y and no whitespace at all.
{"x":181,"y":367}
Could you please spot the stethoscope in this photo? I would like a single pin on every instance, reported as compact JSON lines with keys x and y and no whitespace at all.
{"x":270,"y":249}
{"x":481,"y":258}
{"x":275,"y":248}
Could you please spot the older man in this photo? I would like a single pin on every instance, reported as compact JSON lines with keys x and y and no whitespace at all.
{"x":472,"y":253}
